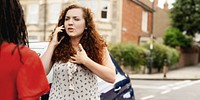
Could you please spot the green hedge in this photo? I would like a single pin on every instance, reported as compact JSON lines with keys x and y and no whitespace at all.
{"x":129,"y":54}
{"x":136,"y":56}
{"x":161,"y":52}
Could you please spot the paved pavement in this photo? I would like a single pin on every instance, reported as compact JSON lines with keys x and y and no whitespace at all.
{"x":184,"y":73}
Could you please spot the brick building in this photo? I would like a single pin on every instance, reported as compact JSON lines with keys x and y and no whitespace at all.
{"x":140,"y":18}
{"x":116,"y":20}
{"x":42,"y":15}
{"x":136,"y":21}
{"x":161,"y":20}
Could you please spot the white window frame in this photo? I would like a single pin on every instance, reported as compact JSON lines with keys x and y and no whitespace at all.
{"x":33,"y":14}
{"x":144,"y":21}
{"x":105,"y":3}
{"x":92,"y":4}
{"x":54,"y":12}
{"x":97,"y":7}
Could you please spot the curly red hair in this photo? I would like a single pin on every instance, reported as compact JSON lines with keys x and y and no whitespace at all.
{"x":91,"y":40}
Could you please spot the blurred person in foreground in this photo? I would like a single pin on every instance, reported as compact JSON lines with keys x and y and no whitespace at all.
{"x":22,"y":76}
{"x":77,"y":53}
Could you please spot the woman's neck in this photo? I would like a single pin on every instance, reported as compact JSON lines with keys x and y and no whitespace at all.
{"x":75,"y":43}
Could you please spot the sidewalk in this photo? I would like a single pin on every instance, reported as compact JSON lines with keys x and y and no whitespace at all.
{"x":185,"y":73}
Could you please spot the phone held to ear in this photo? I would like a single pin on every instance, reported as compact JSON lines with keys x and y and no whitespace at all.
{"x":60,"y":35}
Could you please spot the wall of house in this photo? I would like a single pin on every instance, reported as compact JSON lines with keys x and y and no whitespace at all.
{"x":161,"y":23}
{"x":124,"y":25}
{"x":132,"y":22}
{"x":41,"y":29}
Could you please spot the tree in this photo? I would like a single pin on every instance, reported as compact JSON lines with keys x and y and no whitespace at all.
{"x":185,"y":16}
{"x":175,"y":38}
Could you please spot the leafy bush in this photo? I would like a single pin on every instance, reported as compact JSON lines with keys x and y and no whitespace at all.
{"x":175,"y":38}
{"x":172,"y":55}
{"x":136,"y":56}
{"x":161,"y":52}
{"x":129,"y":53}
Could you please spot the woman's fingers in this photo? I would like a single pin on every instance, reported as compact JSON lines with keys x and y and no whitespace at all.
{"x":61,"y":39}
{"x":56,"y":32}
{"x":80,"y":56}
{"x":73,"y":59}
{"x":59,"y":29}
{"x":80,"y":48}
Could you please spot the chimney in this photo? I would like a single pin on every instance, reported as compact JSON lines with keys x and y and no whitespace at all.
{"x":166,"y":6}
{"x":155,"y":5}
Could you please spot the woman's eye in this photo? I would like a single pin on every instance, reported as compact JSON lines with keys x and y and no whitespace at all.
{"x":67,"y":18}
{"x":76,"y":19}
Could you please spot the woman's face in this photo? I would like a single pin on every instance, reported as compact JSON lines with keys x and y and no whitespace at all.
{"x":74,"y":23}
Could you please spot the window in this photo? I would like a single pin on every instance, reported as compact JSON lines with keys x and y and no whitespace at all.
{"x":33,"y":38}
{"x":105,"y":4}
{"x":144,"y":21}
{"x":54,"y":12}
{"x":92,"y":4}
{"x":98,"y":5}
{"x":33,"y":14}
{"x":104,"y":13}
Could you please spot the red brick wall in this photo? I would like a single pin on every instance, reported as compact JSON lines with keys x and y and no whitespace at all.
{"x":150,"y":23}
{"x":132,"y":21}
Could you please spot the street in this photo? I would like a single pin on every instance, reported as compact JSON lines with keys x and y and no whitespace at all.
{"x":166,"y":89}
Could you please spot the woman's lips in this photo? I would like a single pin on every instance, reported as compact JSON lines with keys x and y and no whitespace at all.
{"x":70,"y":29}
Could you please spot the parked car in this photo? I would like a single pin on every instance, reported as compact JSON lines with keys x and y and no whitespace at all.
{"x":120,"y":90}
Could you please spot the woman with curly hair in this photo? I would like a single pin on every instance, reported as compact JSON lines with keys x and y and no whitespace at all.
{"x":22,"y":75}
{"x":77,"y":53}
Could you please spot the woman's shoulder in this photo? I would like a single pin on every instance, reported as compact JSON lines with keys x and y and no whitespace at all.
{"x":105,"y":49}
{"x":22,"y":49}
{"x":26,"y":51}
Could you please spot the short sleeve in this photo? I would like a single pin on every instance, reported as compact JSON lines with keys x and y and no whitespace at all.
{"x":31,"y":80}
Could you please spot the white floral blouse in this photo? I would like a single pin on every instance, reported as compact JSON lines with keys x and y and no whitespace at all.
{"x":72,"y":82}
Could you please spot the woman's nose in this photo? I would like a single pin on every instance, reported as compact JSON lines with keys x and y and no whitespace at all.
{"x":70,"y":22}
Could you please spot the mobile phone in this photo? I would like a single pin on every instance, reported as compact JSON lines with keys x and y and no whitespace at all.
{"x":61,"y":34}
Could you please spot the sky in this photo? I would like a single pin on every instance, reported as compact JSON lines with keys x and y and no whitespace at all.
{"x":161,"y":2}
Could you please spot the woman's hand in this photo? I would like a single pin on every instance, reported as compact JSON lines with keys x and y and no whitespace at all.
{"x":54,"y":40}
{"x":80,"y":57}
